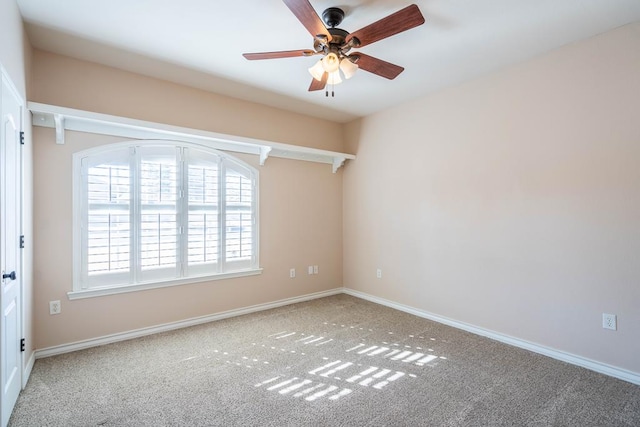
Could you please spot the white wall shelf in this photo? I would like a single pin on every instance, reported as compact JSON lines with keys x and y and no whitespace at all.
{"x":62,"y":118}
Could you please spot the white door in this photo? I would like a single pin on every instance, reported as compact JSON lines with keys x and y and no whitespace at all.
{"x":10,"y":317}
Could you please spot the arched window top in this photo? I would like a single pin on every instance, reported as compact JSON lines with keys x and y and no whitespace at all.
{"x":107,"y":150}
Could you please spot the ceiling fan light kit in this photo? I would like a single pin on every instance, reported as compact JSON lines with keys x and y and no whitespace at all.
{"x":334,"y":44}
{"x":317,"y":70}
{"x":348,"y":68}
{"x":330,"y":63}
{"x":334,"y":78}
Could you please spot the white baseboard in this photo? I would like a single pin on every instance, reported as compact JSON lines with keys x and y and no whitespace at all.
{"x":108,"y":339}
{"x":593,"y":365}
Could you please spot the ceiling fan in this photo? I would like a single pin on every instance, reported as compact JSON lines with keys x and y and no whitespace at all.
{"x":334,"y":44}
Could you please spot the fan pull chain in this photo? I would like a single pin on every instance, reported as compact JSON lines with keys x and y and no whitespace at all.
{"x":326,"y":92}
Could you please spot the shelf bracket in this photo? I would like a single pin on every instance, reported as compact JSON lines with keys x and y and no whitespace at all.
{"x":264,"y":153}
{"x":59,"y":121}
{"x":337,"y":163}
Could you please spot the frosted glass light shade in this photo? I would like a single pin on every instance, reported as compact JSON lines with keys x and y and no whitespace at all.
{"x":334,"y":78}
{"x":348,"y":68}
{"x":331,"y":63}
{"x":317,"y":71}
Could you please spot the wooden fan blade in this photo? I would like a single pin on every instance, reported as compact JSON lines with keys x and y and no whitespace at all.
{"x":307,"y":15}
{"x":319,"y":85}
{"x":280,"y":54}
{"x":377,"y":66}
{"x":402,"y":20}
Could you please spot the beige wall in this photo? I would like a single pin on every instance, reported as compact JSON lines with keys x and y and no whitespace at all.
{"x":67,"y":82}
{"x":300,"y":202}
{"x":511,"y":202}
{"x":14,"y":49}
{"x":15,"y":57}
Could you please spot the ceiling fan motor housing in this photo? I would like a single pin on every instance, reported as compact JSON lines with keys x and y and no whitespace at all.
{"x":332,"y":17}
{"x":338,"y":37}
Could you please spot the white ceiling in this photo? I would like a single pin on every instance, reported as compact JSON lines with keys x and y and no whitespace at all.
{"x":200,"y":43}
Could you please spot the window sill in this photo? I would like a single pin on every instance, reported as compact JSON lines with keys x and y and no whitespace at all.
{"x":98,"y":292}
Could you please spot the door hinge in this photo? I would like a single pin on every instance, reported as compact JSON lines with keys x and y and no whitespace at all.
{"x":21,"y":138}
{"x":22,"y":242}
{"x":22,"y":344}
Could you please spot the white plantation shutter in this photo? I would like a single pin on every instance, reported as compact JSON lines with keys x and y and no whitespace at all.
{"x":203,"y":247}
{"x":158,"y":212}
{"x":239,"y":217}
{"x":158,"y":184}
{"x":106,"y":222}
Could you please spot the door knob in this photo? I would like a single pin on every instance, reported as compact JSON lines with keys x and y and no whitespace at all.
{"x":11,"y":276}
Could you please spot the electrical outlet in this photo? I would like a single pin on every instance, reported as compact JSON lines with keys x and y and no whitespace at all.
{"x":310,"y":269}
{"x":609,"y":321}
{"x":54,"y":307}
{"x":292,"y":273}
{"x":379,"y":273}
{"x":315,"y":269}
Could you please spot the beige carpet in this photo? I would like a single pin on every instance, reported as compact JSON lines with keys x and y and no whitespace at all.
{"x":337,"y":361}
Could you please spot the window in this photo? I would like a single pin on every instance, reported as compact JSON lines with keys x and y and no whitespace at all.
{"x":159,"y":213}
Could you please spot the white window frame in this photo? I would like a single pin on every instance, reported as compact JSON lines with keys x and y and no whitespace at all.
{"x":81,"y":286}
